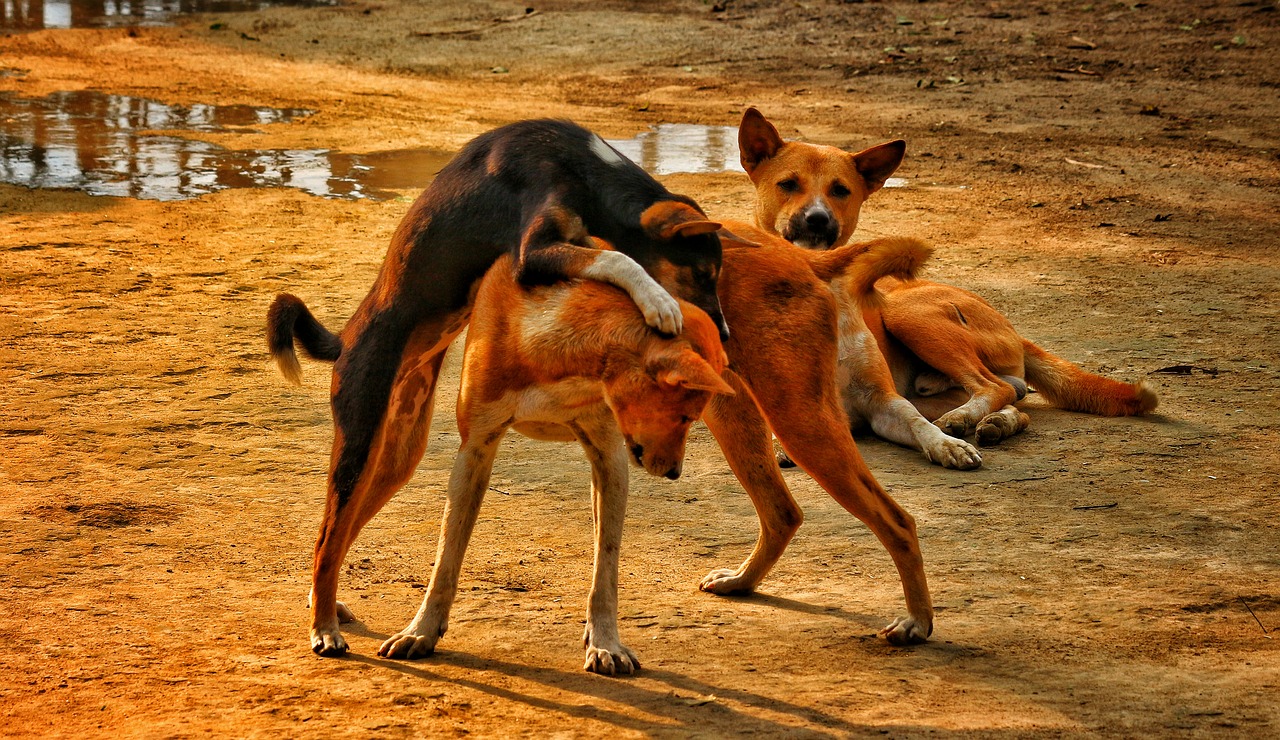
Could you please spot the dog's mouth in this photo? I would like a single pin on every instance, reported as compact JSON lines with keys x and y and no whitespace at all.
{"x":810,"y":242}
{"x":655,"y":467}
{"x":802,"y":235}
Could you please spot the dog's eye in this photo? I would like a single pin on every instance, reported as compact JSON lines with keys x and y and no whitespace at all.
{"x":789,"y":185}
{"x":839,"y":191}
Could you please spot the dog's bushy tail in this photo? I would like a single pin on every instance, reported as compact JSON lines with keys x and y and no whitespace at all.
{"x":1067,"y":385}
{"x":289,"y":319}
{"x":863,"y":263}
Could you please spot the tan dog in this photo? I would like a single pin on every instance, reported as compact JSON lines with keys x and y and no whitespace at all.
{"x":812,"y":195}
{"x":573,"y":361}
{"x":946,"y":351}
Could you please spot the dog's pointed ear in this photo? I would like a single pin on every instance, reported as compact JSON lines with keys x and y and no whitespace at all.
{"x":758,"y":139}
{"x":878,"y":162}
{"x":691,"y":371}
{"x":668,"y":219}
{"x":728,"y":239}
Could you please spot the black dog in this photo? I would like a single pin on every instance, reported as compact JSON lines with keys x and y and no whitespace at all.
{"x":535,"y":189}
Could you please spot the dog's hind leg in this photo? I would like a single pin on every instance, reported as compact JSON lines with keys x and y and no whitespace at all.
{"x":822,"y":446}
{"x":600,"y":439}
{"x":962,"y":338}
{"x":804,"y":412}
{"x":379,"y":437}
{"x":743,"y":436}
{"x":467,"y":485}
{"x":1001,"y":425}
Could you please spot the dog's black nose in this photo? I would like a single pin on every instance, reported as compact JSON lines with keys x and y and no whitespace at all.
{"x":817,"y":220}
{"x":672,"y":474}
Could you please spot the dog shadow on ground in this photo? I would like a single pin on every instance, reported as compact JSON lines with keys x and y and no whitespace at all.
{"x":664,"y":708}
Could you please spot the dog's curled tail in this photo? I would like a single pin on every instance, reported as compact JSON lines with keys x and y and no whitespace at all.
{"x":289,"y":319}
{"x":1069,"y":386}
{"x":863,"y":263}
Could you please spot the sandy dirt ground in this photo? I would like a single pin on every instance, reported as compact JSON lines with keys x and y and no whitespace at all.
{"x":1104,"y":173}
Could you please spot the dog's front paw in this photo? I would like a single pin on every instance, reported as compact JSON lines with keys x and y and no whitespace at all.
{"x":608,"y":657}
{"x":953,"y":453}
{"x":725,"y":581}
{"x":618,"y":662}
{"x":660,"y":310}
{"x":327,"y":642}
{"x":408,"y":646}
{"x":907,"y":631}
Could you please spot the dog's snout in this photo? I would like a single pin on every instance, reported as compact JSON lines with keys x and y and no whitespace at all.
{"x":672,"y":474}
{"x":817,"y":219}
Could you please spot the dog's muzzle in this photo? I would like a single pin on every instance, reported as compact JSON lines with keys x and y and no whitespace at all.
{"x":814,"y":228}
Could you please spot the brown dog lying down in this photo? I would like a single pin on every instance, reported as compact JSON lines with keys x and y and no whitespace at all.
{"x":944,"y":353}
{"x":571,"y":361}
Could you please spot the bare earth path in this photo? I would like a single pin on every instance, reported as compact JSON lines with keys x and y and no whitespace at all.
{"x":1104,"y":173}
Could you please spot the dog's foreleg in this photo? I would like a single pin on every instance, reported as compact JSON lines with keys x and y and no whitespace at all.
{"x":467,"y":484}
{"x":743,"y":436}
{"x":660,"y":310}
{"x":898,"y":421}
{"x":869,"y":392}
{"x":554,"y":247}
{"x":605,"y":450}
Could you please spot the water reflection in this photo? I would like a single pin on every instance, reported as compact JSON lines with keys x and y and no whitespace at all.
{"x":36,"y":14}
{"x":98,"y":143}
{"x":688,"y":147}
{"x":683,"y":147}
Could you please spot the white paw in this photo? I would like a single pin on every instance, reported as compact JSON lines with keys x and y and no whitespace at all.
{"x":907,"y":631}
{"x":660,"y":310}
{"x":953,"y":453}
{"x":619,"y":661}
{"x":408,"y":645}
{"x":608,"y":657}
{"x":327,"y":642}
{"x":725,"y":581}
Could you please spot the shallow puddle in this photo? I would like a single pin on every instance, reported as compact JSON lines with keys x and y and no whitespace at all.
{"x":122,"y":146}
{"x":29,"y":15}
{"x":669,"y":148}
{"x":683,"y":147}
{"x":105,"y":145}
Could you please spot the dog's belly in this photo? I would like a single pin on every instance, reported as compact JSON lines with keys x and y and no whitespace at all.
{"x":545,"y":412}
{"x":544,"y":431}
